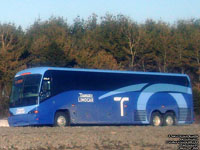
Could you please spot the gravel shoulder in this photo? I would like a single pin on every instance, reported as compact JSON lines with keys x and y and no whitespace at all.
{"x":4,"y":123}
{"x":95,"y":137}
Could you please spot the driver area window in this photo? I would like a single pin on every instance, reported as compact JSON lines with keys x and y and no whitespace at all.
{"x":45,"y":88}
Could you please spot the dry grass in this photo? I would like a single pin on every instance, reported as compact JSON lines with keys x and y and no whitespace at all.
{"x":97,"y":137}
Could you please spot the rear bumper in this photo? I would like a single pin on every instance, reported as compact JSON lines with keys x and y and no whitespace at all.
{"x":185,"y":122}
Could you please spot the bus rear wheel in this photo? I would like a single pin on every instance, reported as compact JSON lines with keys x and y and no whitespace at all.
{"x":169,"y":119}
{"x":61,"y":119}
{"x":156,"y":119}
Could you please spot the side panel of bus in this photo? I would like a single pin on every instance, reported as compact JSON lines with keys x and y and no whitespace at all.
{"x":117,"y":98}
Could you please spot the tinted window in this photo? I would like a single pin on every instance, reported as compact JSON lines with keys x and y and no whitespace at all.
{"x":74,"y":80}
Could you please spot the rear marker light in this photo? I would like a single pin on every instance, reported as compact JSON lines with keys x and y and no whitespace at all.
{"x":26,"y":73}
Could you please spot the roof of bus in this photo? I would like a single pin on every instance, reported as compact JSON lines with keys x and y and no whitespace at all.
{"x":42,"y":70}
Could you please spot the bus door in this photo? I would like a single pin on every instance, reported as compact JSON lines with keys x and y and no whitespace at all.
{"x":46,"y":104}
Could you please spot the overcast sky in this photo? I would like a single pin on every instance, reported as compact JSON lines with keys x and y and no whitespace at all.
{"x":25,"y":12}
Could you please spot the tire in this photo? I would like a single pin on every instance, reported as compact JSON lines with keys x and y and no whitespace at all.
{"x":169,"y":119}
{"x":61,"y":119}
{"x":156,"y":119}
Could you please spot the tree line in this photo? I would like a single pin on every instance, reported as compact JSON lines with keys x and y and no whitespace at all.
{"x":109,"y":42}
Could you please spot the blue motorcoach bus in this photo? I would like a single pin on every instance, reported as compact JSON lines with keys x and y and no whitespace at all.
{"x":68,"y":96}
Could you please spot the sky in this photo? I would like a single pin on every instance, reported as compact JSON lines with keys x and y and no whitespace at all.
{"x":25,"y":12}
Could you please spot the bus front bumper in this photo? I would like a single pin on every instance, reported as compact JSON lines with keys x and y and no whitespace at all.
{"x":23,"y":120}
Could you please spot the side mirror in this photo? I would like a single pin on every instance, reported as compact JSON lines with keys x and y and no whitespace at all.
{"x":41,"y":94}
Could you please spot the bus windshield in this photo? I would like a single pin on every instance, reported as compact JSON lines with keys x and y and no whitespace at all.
{"x":25,"y":90}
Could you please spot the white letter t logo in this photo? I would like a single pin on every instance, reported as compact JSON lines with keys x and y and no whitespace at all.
{"x":122,"y":100}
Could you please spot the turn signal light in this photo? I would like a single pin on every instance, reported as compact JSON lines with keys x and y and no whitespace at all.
{"x":10,"y":114}
{"x":33,"y":112}
{"x":36,"y":112}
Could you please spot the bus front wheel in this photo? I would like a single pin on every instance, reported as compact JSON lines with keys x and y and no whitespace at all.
{"x":61,"y":119}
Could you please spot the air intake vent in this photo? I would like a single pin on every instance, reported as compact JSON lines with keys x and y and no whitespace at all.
{"x":140,"y":115}
{"x":184,"y":114}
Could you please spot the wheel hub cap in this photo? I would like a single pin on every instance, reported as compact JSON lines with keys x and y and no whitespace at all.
{"x":169,"y":121}
{"x":156,"y":121}
{"x":61,"y":121}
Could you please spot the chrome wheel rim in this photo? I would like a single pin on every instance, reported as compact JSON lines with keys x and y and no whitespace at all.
{"x":156,"y":121}
{"x":169,"y":121}
{"x":61,"y":121}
